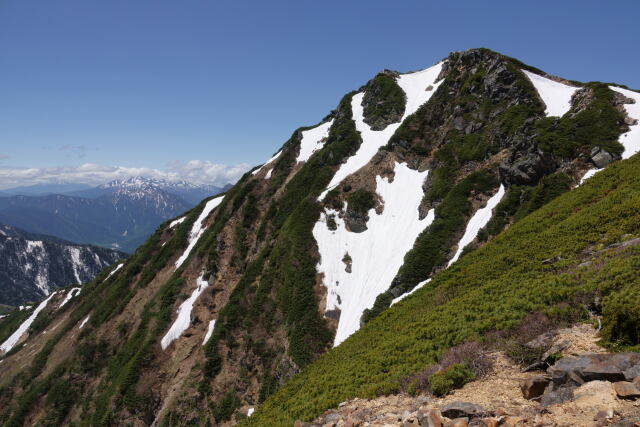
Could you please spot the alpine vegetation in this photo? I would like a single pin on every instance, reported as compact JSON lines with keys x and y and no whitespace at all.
{"x":429,"y":215}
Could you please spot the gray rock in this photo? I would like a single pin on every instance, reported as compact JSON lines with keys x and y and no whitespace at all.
{"x":355,"y":222}
{"x":556,"y":348}
{"x":462,"y":409}
{"x":542,"y":341}
{"x":554,"y":397}
{"x":524,"y":168}
{"x":602,"y":158}
{"x":606,"y":367}
{"x":632,"y":373}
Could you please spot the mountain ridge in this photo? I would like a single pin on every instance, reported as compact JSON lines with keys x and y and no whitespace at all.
{"x":267,"y":293}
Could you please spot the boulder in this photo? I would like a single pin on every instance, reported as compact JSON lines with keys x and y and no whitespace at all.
{"x":355,"y":222}
{"x":626,"y":390}
{"x":534,"y":387}
{"x":591,"y":367}
{"x":557,"y":396}
{"x":462,"y":409}
{"x":602,"y":158}
{"x":632,"y":373}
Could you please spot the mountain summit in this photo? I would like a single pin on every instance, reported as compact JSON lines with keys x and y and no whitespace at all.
{"x":381,"y":231}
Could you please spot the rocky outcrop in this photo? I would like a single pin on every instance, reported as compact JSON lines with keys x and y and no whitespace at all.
{"x":602,"y":158}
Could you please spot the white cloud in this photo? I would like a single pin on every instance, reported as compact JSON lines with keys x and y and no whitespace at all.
{"x":195,"y":171}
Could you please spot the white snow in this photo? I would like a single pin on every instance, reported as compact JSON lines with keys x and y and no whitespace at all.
{"x":197,"y":229}
{"x":177,"y":221}
{"x":403,"y":296}
{"x":477,"y":221}
{"x":414,"y":86}
{"x":555,"y":95}
{"x":32,"y":245}
{"x":588,"y":174}
{"x":212,"y":323}
{"x":114,"y":271}
{"x":184,"y":314}
{"x":275,"y":156}
{"x":376,"y":254}
{"x":72,"y":293}
{"x":84,"y":322}
{"x":313,"y":140}
{"x":13,"y":339}
{"x":250,"y":412}
{"x":631,"y":139}
{"x":268,"y":174}
{"x":74,"y":254}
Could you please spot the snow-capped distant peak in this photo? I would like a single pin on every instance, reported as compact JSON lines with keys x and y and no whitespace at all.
{"x":141,"y":182}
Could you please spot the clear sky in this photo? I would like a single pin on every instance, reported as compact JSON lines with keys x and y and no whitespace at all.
{"x":211,"y":87}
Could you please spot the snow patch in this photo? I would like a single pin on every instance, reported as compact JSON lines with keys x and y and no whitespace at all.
{"x":477,"y":221}
{"x":414,"y":86}
{"x":72,"y":293}
{"x":74,"y":254}
{"x":84,"y":322}
{"x":212,"y":323}
{"x":197,"y":229}
{"x":13,"y":339}
{"x":555,"y":95}
{"x":630,"y":140}
{"x":588,"y":174}
{"x":183,"y":320}
{"x":250,"y":412}
{"x":313,"y":140}
{"x":275,"y":156}
{"x":177,"y":221}
{"x":376,"y":254}
{"x":403,"y":296}
{"x":268,"y":174}
{"x":114,"y":271}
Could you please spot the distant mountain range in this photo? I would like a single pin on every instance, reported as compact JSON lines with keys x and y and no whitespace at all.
{"x":120,"y":214}
{"x":33,"y":265}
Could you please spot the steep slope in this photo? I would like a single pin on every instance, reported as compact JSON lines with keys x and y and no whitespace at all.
{"x":32,"y":266}
{"x":350,"y":215}
{"x":579,"y":252}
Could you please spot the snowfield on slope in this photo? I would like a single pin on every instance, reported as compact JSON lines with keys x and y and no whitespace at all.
{"x":403,"y":296}
{"x":376,"y":254}
{"x":275,"y":156}
{"x":555,"y":95}
{"x":197,"y":230}
{"x":477,"y":221}
{"x":72,"y":293}
{"x":15,"y":337}
{"x":414,"y":85}
{"x":177,"y":221}
{"x":313,"y":140}
{"x":212,"y":324}
{"x":630,"y":140}
{"x":183,"y":320}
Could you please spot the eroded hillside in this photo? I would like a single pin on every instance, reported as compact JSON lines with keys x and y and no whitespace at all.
{"x":222,"y":307}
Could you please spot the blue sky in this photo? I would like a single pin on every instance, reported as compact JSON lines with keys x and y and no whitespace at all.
{"x":134,"y":86}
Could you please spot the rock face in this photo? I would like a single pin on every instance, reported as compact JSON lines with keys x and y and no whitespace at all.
{"x":33,"y":265}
